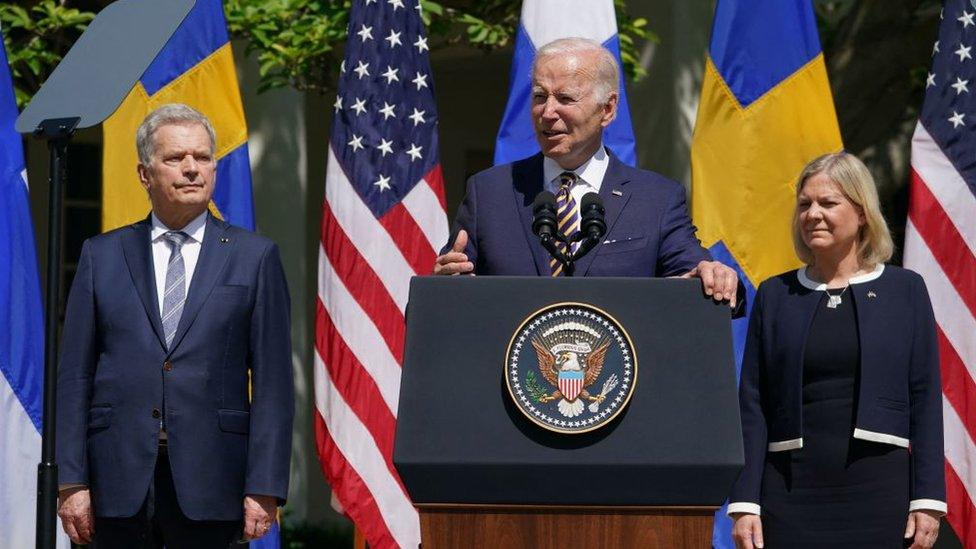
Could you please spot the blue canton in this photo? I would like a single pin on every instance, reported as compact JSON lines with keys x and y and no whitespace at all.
{"x":384,"y":128}
{"x":949,"y":111}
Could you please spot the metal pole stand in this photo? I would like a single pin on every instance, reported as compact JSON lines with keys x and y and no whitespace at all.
{"x":57,"y":132}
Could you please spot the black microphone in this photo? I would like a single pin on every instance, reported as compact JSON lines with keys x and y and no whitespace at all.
{"x":544,"y":223}
{"x":592,"y":216}
{"x":593,"y":224}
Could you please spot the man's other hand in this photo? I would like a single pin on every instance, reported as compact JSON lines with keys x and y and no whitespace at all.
{"x":455,"y":261}
{"x":75,"y":510}
{"x":718,"y":280}
{"x":259,"y":513}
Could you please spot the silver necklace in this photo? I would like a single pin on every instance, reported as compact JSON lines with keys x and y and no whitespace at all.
{"x":833,"y":300}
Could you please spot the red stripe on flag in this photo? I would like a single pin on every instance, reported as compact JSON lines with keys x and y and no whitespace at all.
{"x":957,"y":385}
{"x":942,"y":237}
{"x":961,"y":514}
{"x":435,"y":180}
{"x":349,"y":487}
{"x":362,"y":282}
{"x":407,"y":235}
{"x":354,"y":383}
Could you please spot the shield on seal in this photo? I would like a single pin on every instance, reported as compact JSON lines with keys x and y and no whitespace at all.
{"x":570,"y":384}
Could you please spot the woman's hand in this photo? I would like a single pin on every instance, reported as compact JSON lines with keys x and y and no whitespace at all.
{"x":747,"y":531}
{"x":922,"y":529}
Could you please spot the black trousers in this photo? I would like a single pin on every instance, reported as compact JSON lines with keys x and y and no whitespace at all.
{"x":160,"y":522}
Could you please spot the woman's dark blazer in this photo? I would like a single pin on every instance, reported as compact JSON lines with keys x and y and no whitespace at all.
{"x":900,"y":397}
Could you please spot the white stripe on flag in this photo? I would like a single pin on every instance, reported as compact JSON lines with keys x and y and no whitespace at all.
{"x":425,"y":209}
{"x":20,"y":452}
{"x":359,"y":333}
{"x":547,"y":20}
{"x":959,"y":448}
{"x":945,"y":183}
{"x":354,"y":441}
{"x":951,"y":314}
{"x":370,"y":238}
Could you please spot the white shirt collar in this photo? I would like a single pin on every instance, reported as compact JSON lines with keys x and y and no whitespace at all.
{"x":808,"y":282}
{"x":590,"y":172}
{"x":194,"y":229}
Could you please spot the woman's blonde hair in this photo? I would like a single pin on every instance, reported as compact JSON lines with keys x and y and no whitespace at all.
{"x":855,"y":181}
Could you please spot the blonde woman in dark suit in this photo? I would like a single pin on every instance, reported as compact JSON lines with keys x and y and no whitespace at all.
{"x":840,"y":394}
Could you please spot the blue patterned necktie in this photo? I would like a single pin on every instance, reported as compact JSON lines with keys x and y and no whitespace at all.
{"x":567,"y":216}
{"x":175,"y":289}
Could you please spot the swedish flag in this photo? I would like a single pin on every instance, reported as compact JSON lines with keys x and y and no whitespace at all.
{"x":195,"y":67}
{"x":765,"y":111}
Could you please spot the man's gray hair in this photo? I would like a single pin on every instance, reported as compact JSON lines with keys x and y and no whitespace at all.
{"x":171,"y":113}
{"x":607,"y":71}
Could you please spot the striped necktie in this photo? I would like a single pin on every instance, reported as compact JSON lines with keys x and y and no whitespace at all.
{"x":567,"y":216}
{"x":175,"y":289}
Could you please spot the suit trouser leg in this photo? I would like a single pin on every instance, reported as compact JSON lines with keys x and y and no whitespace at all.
{"x":160,"y":522}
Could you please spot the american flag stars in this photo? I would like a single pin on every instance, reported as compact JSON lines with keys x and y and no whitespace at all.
{"x":394,"y":39}
{"x":952,"y":71}
{"x":385,"y":103}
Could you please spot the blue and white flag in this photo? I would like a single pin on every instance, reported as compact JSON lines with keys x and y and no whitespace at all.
{"x":21,"y":337}
{"x":542,"y":22}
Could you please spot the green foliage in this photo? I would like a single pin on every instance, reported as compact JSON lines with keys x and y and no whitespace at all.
{"x":299,"y":42}
{"x":36,"y":38}
{"x":295,"y":40}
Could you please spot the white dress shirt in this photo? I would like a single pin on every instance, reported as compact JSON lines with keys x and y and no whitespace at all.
{"x":161,"y":251}
{"x":590,"y":174}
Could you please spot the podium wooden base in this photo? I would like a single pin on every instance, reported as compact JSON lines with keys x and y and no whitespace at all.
{"x":540,"y":527}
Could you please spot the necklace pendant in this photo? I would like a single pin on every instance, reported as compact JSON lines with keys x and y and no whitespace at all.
{"x":833,"y":301}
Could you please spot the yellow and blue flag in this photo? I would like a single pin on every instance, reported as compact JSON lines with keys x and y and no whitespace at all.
{"x":195,"y":67}
{"x":765,"y":111}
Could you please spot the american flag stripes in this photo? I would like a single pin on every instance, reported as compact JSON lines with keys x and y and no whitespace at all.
{"x":940,"y":244}
{"x":383,"y":221}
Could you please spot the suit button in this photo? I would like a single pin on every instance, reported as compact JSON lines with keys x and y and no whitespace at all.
{"x":167,"y":366}
{"x":156,"y":414}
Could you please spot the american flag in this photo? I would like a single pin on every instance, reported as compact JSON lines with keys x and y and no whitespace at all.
{"x":383,"y":221}
{"x":940,"y":243}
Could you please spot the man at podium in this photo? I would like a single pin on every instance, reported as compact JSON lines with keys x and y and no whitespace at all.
{"x":575,"y":87}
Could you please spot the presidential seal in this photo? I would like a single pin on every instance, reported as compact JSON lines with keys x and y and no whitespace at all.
{"x":570,"y":368}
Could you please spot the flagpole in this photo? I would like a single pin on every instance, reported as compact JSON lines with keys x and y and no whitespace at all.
{"x":57,"y":132}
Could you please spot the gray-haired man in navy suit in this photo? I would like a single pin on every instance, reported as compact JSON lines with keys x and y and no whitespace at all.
{"x":574,"y":97}
{"x":175,"y":387}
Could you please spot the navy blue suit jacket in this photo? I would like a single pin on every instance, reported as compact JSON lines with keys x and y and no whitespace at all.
{"x":115,"y":372}
{"x":649,"y":232}
{"x":900,"y":395}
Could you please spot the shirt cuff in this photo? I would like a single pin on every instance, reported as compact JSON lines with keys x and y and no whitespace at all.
{"x":744,"y":507}
{"x":928,"y":505}
{"x":62,"y":487}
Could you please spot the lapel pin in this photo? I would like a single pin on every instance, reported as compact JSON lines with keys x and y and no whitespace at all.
{"x":224,"y":240}
{"x":615,"y":192}
{"x":872,"y":294}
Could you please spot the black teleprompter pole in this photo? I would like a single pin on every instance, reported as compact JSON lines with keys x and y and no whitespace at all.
{"x":57,"y":132}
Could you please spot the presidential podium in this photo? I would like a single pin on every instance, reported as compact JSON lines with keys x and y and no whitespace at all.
{"x":480,"y":442}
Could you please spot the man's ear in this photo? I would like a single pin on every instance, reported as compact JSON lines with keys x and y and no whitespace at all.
{"x":610,"y":108}
{"x":143,"y":176}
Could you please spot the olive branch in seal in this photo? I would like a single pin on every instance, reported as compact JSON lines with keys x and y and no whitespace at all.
{"x":532,"y":386}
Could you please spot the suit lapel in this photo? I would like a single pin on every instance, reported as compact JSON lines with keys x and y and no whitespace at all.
{"x":136,"y":248}
{"x":527,"y":182}
{"x":615,"y":197}
{"x":213,"y":254}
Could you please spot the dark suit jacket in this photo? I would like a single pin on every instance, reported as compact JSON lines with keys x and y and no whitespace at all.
{"x":649,"y":232}
{"x":900,"y":396}
{"x":116,"y":375}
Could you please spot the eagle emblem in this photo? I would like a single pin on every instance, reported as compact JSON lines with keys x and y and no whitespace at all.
{"x":582,"y":370}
